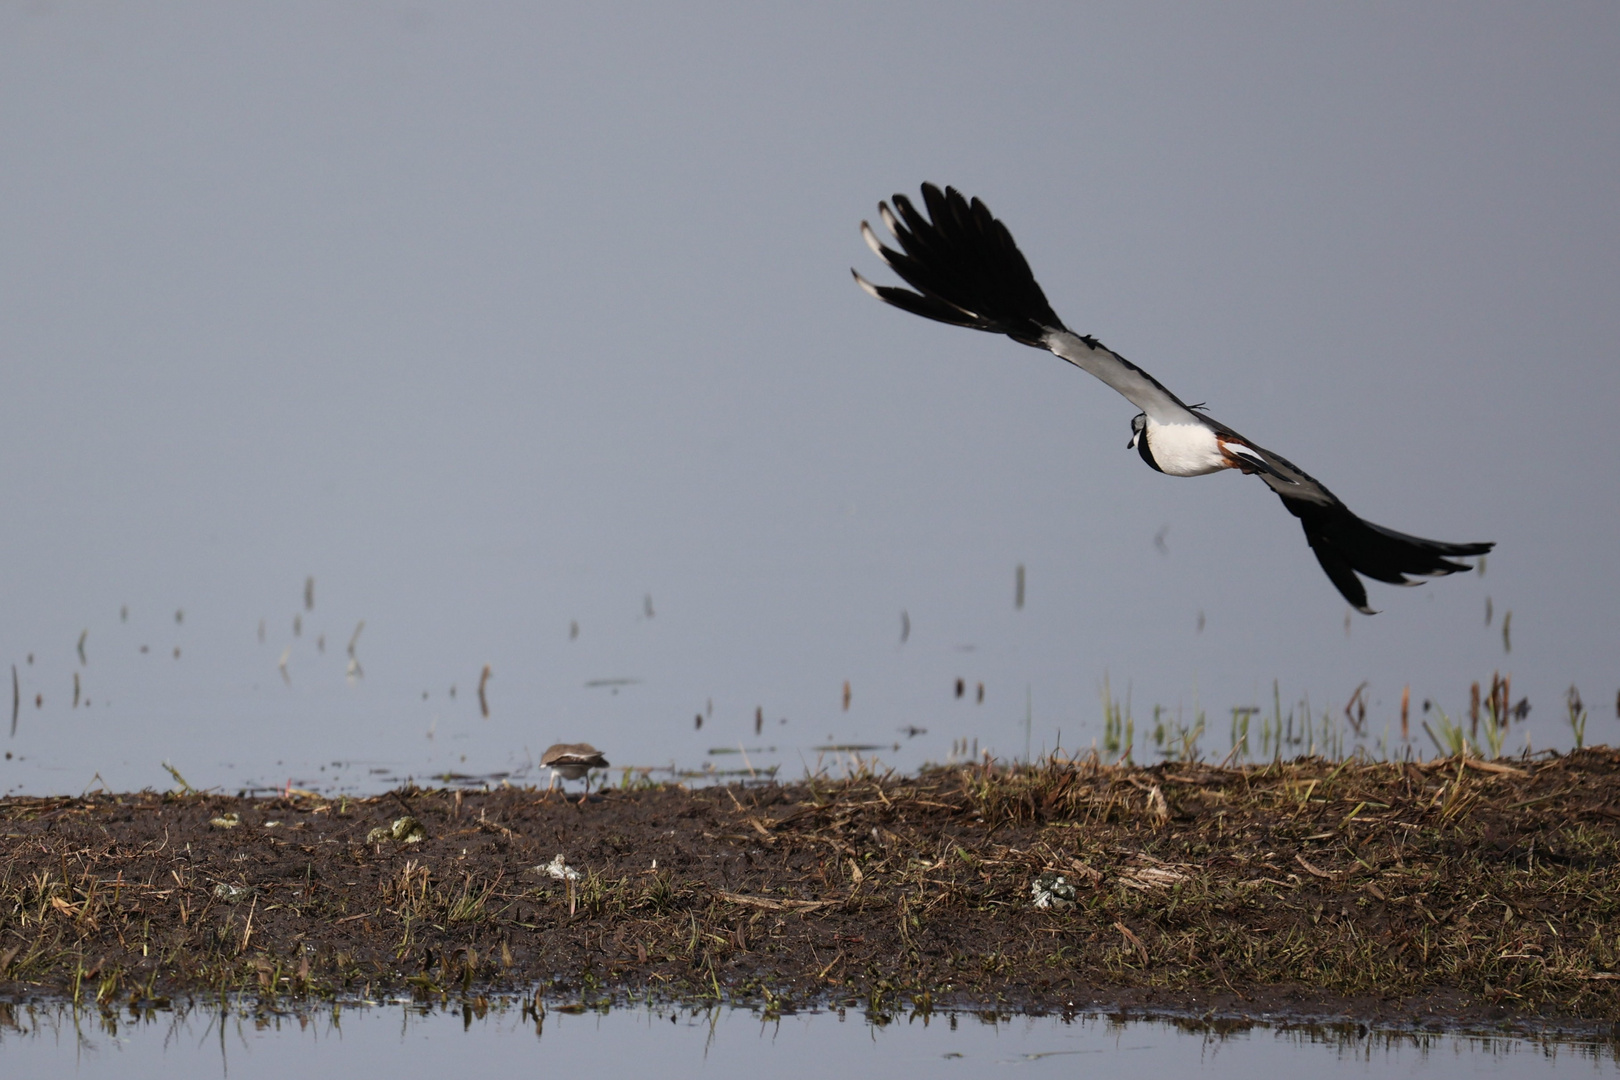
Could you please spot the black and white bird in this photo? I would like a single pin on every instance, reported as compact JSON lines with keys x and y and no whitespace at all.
{"x":967,"y":271}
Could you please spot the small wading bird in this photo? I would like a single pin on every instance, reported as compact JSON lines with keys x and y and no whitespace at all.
{"x":572,"y":761}
{"x":968,"y":272}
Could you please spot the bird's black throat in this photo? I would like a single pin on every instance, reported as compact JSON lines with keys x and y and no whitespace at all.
{"x":1142,"y":448}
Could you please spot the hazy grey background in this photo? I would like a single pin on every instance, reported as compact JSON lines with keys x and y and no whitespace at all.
{"x":497,"y":317}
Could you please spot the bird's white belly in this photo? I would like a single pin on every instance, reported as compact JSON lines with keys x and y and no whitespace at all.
{"x":1185,"y":449}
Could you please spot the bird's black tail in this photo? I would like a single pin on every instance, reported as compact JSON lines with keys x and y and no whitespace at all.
{"x":964,"y":265}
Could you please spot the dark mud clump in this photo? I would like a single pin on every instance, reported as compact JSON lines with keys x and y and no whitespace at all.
{"x":1451,"y":893}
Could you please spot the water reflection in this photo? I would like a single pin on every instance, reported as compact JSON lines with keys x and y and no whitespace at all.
{"x":407,"y":1039}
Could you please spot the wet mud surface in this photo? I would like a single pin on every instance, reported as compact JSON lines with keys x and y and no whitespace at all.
{"x":1447,"y":895}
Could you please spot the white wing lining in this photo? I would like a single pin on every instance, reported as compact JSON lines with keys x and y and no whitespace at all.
{"x":1137,"y":386}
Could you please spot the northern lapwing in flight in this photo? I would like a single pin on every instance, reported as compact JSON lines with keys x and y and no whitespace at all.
{"x":967,"y":271}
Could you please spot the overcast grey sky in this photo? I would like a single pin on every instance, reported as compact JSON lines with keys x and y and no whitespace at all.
{"x":495,"y":318}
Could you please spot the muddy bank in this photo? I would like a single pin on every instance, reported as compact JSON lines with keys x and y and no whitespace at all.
{"x":1442,"y":894}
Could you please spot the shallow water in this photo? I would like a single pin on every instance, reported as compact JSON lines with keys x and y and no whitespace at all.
{"x":359,"y":701}
{"x":402,"y":1040}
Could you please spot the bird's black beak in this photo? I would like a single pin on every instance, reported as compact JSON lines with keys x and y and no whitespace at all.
{"x":1132,"y":444}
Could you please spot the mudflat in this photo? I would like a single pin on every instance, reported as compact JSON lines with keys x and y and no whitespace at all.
{"x":1449,"y":893}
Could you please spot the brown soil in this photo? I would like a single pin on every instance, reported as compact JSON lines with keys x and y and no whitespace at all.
{"x":1448,"y":894}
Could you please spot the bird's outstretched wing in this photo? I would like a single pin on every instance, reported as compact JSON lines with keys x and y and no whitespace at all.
{"x":968,"y":272}
{"x":1346,"y":545}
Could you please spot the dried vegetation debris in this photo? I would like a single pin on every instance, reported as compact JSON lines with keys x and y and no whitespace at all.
{"x":1478,"y":889}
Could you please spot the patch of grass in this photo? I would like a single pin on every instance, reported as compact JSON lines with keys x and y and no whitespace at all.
{"x":1470,"y":886}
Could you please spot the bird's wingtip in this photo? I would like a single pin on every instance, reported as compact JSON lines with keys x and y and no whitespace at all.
{"x":889,"y":220}
{"x":873,"y":242}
